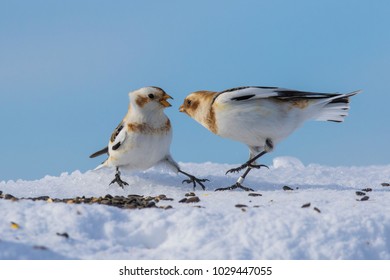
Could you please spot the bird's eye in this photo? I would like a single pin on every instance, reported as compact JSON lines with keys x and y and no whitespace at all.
{"x":189,"y":102}
{"x":151,"y":95}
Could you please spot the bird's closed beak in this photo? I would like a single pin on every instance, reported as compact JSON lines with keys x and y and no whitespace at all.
{"x":181,"y":109}
{"x":164,"y":102}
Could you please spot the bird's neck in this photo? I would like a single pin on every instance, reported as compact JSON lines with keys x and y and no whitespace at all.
{"x":205,"y":115}
{"x":153,"y":118}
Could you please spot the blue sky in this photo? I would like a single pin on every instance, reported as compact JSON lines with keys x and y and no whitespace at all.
{"x":66,"y":68}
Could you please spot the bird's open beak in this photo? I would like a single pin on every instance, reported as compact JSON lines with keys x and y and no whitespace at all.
{"x":181,"y":109}
{"x":164,"y":102}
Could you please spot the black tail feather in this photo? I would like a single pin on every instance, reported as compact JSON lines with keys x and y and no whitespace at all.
{"x":99,"y":153}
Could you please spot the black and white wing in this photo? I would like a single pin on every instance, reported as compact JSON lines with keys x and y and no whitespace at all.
{"x":240,"y":94}
{"x":245,"y":93}
{"x":118,"y":137}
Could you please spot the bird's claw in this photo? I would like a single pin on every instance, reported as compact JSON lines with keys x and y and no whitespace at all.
{"x":119,"y":181}
{"x":245,"y":165}
{"x":235,"y":186}
{"x":238,"y":169}
{"x":194,"y":181}
{"x":258,"y":166}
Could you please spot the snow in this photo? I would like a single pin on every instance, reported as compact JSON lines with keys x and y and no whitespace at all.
{"x":272,"y":226}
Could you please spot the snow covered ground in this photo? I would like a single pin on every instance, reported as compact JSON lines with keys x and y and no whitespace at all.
{"x":336,"y":225}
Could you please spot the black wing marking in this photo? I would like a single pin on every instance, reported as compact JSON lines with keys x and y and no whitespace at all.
{"x":289,"y":94}
{"x":297,"y":95}
{"x":116,"y":132}
{"x":116,"y":146}
{"x":247,"y":96}
{"x":99,"y":153}
{"x":240,"y":98}
{"x":114,"y":137}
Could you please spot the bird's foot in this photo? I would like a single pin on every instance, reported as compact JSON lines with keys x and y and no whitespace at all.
{"x":235,"y":186}
{"x":258,"y":166}
{"x":238,"y":169}
{"x":245,"y":165}
{"x":194,"y":181}
{"x":119,"y":181}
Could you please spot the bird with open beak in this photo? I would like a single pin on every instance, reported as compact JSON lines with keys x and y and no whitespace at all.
{"x":143,"y":137}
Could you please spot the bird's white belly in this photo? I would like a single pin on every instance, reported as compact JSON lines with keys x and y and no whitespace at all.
{"x":252,"y":125}
{"x":141,"y":151}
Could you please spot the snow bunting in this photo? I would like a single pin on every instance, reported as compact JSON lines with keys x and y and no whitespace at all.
{"x":261,"y":117}
{"x":143,"y":137}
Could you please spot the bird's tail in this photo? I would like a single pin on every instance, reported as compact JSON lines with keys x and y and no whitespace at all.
{"x":103,"y":164}
{"x":335,"y":108}
{"x":99,"y":153}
